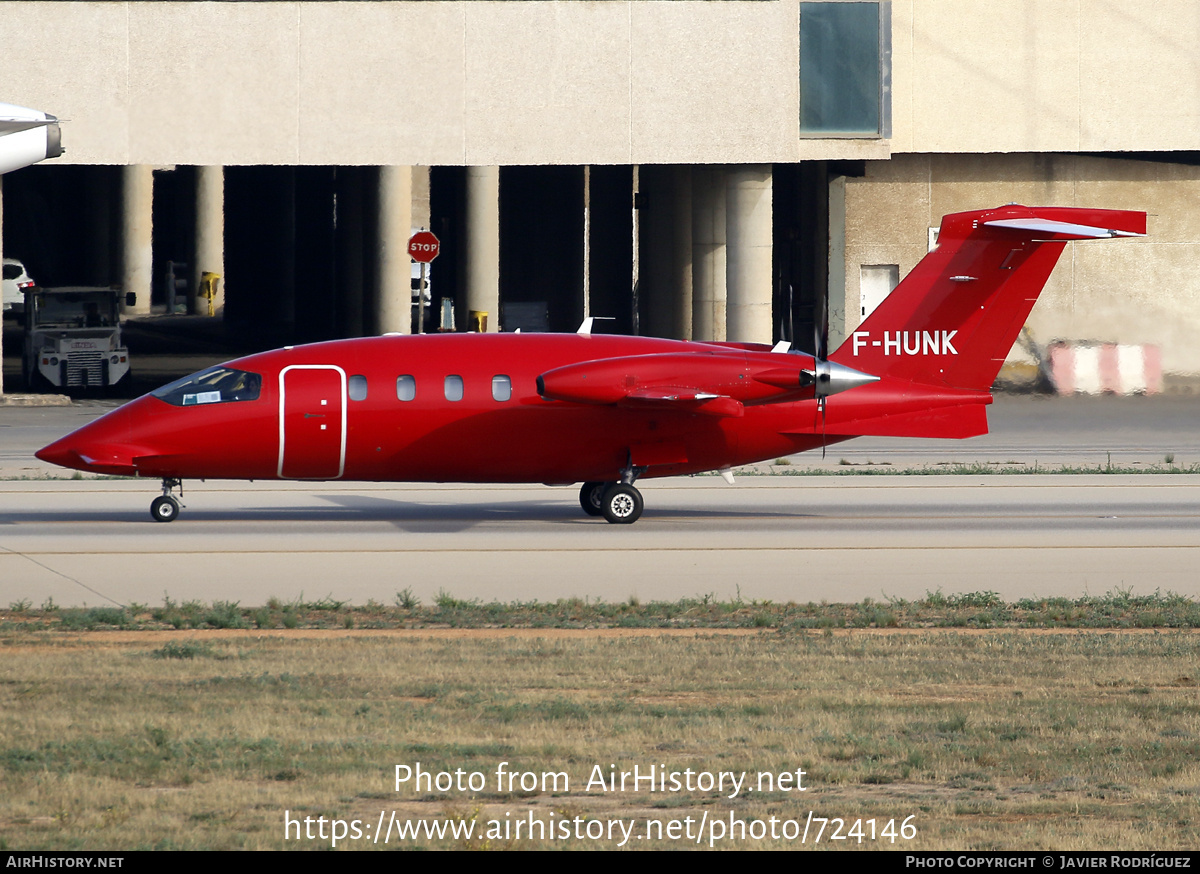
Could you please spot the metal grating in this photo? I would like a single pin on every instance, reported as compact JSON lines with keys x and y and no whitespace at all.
{"x":85,"y":369}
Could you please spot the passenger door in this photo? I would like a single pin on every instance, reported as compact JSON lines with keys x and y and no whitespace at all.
{"x":312,"y":421}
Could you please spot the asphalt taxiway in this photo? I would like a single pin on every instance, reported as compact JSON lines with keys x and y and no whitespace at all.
{"x":770,"y":536}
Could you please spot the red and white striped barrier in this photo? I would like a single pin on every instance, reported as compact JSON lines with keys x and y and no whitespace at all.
{"x":1101,"y":368}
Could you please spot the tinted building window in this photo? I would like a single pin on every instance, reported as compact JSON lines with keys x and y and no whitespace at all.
{"x":845,"y":69}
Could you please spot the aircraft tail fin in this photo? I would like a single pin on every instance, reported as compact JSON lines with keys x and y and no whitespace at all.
{"x":952,"y":320}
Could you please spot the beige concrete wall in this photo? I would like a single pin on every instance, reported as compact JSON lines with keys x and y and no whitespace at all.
{"x":1045,"y":75}
{"x":1143,"y":291}
{"x":459,"y":82}
{"x":623,"y":81}
{"x":490,"y":82}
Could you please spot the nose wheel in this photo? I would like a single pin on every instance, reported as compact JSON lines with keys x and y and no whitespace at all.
{"x":166,"y":507}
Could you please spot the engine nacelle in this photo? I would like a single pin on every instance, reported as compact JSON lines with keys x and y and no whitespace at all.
{"x":27,"y":136}
{"x":747,"y":377}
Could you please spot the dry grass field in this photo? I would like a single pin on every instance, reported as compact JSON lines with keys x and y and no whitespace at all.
{"x":958,"y":738}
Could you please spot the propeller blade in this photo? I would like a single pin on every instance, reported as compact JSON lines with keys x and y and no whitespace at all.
{"x":791,"y":334}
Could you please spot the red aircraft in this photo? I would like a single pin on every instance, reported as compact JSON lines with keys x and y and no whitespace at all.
{"x":601,"y":410}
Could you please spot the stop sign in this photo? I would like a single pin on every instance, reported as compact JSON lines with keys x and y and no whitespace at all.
{"x":423,"y":247}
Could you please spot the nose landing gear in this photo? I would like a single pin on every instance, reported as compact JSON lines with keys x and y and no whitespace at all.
{"x":166,"y":507}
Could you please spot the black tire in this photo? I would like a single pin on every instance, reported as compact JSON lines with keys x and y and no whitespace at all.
{"x":165,"y":508}
{"x":622,"y":504}
{"x":591,"y":496}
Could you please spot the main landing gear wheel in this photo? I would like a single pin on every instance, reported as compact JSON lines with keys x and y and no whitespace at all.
{"x":591,"y":498}
{"x":621,"y":504}
{"x":165,"y":508}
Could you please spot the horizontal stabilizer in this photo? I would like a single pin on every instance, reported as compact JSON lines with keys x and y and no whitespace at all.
{"x":1061,"y":230}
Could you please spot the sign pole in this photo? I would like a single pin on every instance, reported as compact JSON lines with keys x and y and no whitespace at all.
{"x":421,"y":298}
{"x":423,"y":247}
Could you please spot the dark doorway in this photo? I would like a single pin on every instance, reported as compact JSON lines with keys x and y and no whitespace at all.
{"x":800,"y":218}
{"x":611,"y":252}
{"x":541,"y":242}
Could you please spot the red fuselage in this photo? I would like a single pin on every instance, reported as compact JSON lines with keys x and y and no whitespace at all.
{"x":385,"y":409}
{"x":603,"y":410}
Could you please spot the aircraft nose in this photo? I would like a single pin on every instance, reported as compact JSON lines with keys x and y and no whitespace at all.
{"x":59,"y":452}
{"x":98,"y":447}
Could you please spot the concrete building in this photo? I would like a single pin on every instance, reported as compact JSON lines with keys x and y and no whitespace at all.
{"x":715,"y":170}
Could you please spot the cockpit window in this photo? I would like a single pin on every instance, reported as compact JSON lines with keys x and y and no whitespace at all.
{"x":218,"y":385}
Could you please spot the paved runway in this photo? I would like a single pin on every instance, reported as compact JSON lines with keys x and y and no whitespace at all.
{"x":1025,"y":431}
{"x":777,"y":537}
{"x":772,"y":537}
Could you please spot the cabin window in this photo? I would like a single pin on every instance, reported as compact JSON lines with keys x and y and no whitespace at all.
{"x":501,"y":388}
{"x":406,"y":387}
{"x":217,"y":385}
{"x":358,"y":388}
{"x":454,"y":388}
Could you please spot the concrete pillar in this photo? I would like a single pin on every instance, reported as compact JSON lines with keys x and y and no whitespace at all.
{"x":393,"y":306}
{"x":666,"y":251}
{"x":843,"y":317}
{"x":655,"y":243}
{"x":137,"y":211}
{"x":210,"y":237}
{"x":708,"y":253}
{"x":421,"y":212}
{"x":483,"y":245}
{"x":748,"y":253}
{"x":587,"y":241}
